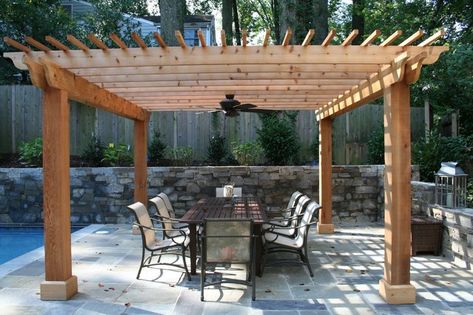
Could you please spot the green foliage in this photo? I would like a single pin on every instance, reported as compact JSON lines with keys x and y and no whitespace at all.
{"x":117,"y":155}
{"x":250,"y":153}
{"x":31,"y":152}
{"x":279,"y":138}
{"x":434,"y":149}
{"x":376,"y":147}
{"x":469,"y":194}
{"x":314,"y":147}
{"x":181,"y":156}
{"x":93,"y":154}
{"x":216,"y":151}
{"x":157,"y":148}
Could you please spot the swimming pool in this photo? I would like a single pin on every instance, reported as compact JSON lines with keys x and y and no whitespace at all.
{"x":16,"y":241}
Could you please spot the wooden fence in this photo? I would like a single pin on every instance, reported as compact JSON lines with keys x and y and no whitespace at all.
{"x":20,"y":120}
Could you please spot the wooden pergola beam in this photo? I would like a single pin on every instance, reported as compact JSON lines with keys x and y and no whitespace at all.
{"x":244,"y":37}
{"x":287,"y":37}
{"x":81,"y":90}
{"x":97,"y":42}
{"x":329,"y":38}
{"x":350,"y":38}
{"x":214,"y":56}
{"x":411,"y":39}
{"x":74,"y":41}
{"x":118,"y":41}
{"x":308,"y":37}
{"x":17,"y":45}
{"x":33,"y":42}
{"x":432,"y":38}
{"x":160,"y":40}
{"x":325,"y":224}
{"x":180,"y":39}
{"x":367,"y":90}
{"x":388,"y":41}
{"x":370,"y":38}
{"x":138,"y":40}
{"x":267,"y":36}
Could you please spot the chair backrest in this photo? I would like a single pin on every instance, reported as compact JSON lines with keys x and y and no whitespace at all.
{"x":311,"y":211}
{"x":237,"y":192}
{"x":168,"y":204}
{"x":145,"y":223}
{"x":227,"y":241}
{"x":162,"y":212}
{"x":293,"y":202}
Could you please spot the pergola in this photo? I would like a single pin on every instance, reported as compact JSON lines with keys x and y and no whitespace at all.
{"x":132,"y":82}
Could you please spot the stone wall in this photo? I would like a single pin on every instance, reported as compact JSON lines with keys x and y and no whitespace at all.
{"x":100,"y":195}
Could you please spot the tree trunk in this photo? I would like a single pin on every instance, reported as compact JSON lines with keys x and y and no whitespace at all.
{"x":275,"y":8}
{"x":305,"y":20}
{"x":172,"y":19}
{"x":287,"y":18}
{"x":358,"y":20}
{"x":320,"y":20}
{"x":236,"y":21}
{"x":227,"y":20}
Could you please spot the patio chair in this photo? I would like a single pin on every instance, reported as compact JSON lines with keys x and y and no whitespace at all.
{"x":228,"y":241}
{"x":157,"y":248}
{"x":287,"y":226}
{"x":283,"y":214}
{"x":237,"y":192}
{"x":277,"y":242}
{"x":169,"y":223}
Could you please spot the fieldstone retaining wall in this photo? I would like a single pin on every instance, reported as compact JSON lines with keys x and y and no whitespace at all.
{"x":100,"y":195}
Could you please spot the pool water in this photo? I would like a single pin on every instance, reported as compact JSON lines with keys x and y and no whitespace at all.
{"x":16,"y":241}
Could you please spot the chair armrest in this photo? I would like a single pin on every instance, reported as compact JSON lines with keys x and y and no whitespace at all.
{"x":160,"y":219}
{"x":307,"y":224}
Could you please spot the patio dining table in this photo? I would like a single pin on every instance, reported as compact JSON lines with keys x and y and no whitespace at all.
{"x":224,"y":208}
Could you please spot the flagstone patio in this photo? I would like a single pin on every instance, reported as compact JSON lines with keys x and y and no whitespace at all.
{"x":347,"y":267}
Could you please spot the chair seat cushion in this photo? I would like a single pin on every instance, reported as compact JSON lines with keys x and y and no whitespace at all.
{"x":169,"y":242}
{"x":283,"y":240}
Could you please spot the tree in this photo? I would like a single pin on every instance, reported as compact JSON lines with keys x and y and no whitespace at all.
{"x":227,"y":20}
{"x":172,"y":19}
{"x":358,"y":20}
{"x":236,"y":21}
{"x":321,"y":15}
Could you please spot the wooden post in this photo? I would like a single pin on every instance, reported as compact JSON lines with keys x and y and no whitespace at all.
{"x":395,"y":287}
{"x":59,"y":284}
{"x":325,"y":225}
{"x":140,"y":159}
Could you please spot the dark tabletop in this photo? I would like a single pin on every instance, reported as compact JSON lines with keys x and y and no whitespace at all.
{"x":225,"y":208}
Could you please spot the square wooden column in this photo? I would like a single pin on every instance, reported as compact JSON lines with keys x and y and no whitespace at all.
{"x":59,"y":284}
{"x":325,"y":225}
{"x":395,"y":287}
{"x":140,"y":159}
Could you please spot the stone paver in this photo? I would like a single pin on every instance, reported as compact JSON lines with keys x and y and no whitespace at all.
{"x":347,"y":267}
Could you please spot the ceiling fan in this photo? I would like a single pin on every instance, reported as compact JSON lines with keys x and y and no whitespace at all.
{"x":231,"y":107}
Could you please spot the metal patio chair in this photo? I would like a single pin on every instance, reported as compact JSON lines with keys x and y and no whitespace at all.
{"x":169,"y":222}
{"x":277,"y":242}
{"x":282,"y":214}
{"x":228,"y":241}
{"x":155,"y":247}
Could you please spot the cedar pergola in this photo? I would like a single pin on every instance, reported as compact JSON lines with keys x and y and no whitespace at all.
{"x":132,"y":82}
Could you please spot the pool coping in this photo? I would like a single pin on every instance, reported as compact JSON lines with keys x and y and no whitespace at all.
{"x":38,"y":253}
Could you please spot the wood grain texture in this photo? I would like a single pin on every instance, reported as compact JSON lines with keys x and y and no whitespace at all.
{"x":140,"y":161}
{"x":325,"y":170}
{"x":397,"y":184}
{"x":56,"y":200}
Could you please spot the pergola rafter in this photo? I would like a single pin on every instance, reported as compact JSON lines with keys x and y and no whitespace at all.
{"x":132,"y":82}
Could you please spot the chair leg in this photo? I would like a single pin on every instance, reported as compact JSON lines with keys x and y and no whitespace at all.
{"x":202,"y":278}
{"x":307,"y":262}
{"x":141,"y":264}
{"x":253,"y":271}
{"x":185,"y":264}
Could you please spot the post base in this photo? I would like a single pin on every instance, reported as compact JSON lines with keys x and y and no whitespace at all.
{"x":58,"y":290}
{"x":397,"y":294}
{"x":325,"y":228}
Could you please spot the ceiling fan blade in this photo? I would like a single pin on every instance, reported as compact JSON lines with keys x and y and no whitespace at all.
{"x":262,"y":111}
{"x":244,"y":106}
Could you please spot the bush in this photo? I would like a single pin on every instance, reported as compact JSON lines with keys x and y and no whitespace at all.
{"x":117,"y":155}
{"x":31,"y":152}
{"x":216,"y":151}
{"x":250,"y":153}
{"x":157,"y":148}
{"x":93,"y":154}
{"x":376,"y":147}
{"x":279,"y":138}
{"x":429,"y":152}
{"x":181,"y":156}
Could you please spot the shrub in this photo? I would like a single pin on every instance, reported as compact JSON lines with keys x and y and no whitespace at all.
{"x":376,"y":147}
{"x":429,"y":152}
{"x":250,"y":153}
{"x":181,"y":155}
{"x":118,"y":155}
{"x":216,"y":151}
{"x":157,"y":148}
{"x":279,"y":138}
{"x":94,"y":152}
{"x":31,"y":152}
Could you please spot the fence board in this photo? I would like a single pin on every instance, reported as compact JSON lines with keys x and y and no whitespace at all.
{"x":20,"y":120}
